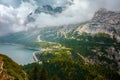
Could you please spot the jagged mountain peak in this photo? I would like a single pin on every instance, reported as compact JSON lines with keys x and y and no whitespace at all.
{"x":48,"y":9}
{"x":104,"y":21}
{"x":104,"y":15}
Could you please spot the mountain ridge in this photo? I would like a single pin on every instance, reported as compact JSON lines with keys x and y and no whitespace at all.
{"x":104,"y":21}
{"x":92,"y":43}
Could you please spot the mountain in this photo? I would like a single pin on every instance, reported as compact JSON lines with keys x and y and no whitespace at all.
{"x":46,"y":9}
{"x":104,"y":21}
{"x":91,"y":43}
{"x":30,"y":36}
{"x":9,"y":70}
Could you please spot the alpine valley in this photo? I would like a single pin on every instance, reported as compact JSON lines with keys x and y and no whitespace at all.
{"x":84,"y":51}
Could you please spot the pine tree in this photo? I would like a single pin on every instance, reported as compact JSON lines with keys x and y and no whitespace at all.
{"x":43,"y":74}
{"x":56,"y":77}
{"x":33,"y":74}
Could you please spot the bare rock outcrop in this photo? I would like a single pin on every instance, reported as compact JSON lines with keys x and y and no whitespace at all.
{"x":3,"y":72}
{"x":104,"y":21}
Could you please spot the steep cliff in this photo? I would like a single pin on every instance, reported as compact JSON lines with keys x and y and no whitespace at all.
{"x":9,"y":70}
{"x":104,"y":21}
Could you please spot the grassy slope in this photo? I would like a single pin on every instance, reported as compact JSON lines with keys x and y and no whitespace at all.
{"x":12,"y":68}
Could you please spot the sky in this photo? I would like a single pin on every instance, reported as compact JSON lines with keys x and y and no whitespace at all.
{"x":13,"y":13}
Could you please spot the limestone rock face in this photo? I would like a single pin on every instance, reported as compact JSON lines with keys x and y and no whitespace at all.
{"x":108,"y":22}
{"x":104,"y":21}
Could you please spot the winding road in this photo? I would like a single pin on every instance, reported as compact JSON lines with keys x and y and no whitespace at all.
{"x":35,"y":56}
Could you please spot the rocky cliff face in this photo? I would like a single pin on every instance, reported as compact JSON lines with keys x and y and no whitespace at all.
{"x":9,"y":70}
{"x":104,"y":21}
{"x":3,"y":72}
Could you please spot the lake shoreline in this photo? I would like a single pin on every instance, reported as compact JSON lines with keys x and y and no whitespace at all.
{"x":19,"y":53}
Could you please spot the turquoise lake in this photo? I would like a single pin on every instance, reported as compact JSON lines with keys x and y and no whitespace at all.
{"x":18,"y":53}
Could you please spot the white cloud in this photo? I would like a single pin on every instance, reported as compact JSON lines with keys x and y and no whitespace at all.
{"x":7,"y":19}
{"x":23,"y":11}
{"x":13,"y":18}
{"x":13,"y":3}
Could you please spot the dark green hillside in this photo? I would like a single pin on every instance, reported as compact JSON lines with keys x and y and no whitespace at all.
{"x":69,"y":70}
{"x":11,"y":68}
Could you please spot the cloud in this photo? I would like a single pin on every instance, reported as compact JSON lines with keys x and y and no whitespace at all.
{"x":7,"y":19}
{"x":14,"y":3}
{"x":13,"y":19}
{"x":74,"y":13}
{"x":13,"y":13}
{"x":54,"y":3}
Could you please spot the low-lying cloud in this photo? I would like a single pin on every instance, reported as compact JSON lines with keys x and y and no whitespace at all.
{"x":14,"y":13}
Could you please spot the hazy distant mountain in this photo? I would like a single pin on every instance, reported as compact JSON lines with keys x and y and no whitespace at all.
{"x":104,"y":21}
{"x":46,"y":9}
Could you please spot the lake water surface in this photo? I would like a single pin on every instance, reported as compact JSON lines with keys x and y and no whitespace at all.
{"x":18,"y":53}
